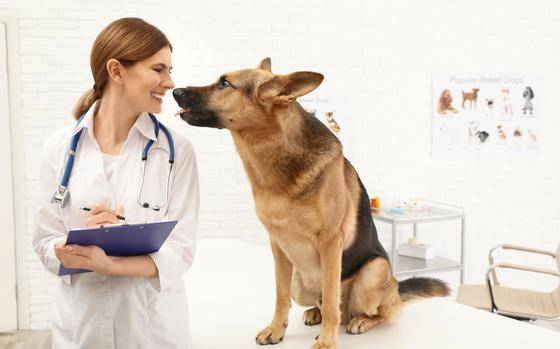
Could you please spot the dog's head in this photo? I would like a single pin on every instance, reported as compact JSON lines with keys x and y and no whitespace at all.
{"x":473,"y":128}
{"x":528,"y":93}
{"x":244,"y":99}
{"x":445,"y":97}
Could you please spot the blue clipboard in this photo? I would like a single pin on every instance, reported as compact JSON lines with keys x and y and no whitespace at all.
{"x":121,"y":240}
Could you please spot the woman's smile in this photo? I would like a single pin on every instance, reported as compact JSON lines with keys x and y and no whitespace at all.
{"x":158,"y":96}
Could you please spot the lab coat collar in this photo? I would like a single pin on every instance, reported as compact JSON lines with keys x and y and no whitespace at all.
{"x":86,"y":121}
{"x":146,"y":126}
{"x":143,"y":124}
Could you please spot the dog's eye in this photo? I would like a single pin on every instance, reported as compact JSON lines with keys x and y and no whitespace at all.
{"x":223,"y":83}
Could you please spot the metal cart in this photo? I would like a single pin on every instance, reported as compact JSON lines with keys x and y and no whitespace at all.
{"x":420,"y":212}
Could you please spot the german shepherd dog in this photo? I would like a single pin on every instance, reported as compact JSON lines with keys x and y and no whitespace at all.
{"x":310,"y":199}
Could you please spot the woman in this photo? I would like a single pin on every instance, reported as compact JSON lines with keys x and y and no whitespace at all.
{"x":126,"y":302}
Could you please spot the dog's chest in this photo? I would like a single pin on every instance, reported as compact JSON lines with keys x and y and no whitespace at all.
{"x":281,"y":214}
{"x":302,"y":254}
{"x":292,"y":227}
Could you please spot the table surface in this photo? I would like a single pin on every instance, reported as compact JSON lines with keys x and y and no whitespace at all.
{"x":421,"y":211}
{"x":231,"y":297}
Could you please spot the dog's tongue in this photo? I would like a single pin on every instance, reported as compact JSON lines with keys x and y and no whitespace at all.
{"x":182,"y":111}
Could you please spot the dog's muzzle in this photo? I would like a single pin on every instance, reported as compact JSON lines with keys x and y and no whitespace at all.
{"x":187,"y":98}
{"x":193,"y":111}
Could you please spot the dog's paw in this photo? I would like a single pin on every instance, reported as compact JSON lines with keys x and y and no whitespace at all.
{"x":271,"y":335}
{"x":361,"y":324}
{"x":323,"y":345}
{"x":312,"y":316}
{"x":326,"y":339}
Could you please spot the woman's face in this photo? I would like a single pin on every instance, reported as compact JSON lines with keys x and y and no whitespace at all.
{"x":146,"y":82}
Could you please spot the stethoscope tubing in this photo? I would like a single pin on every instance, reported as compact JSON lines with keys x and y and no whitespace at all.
{"x":61,"y":192}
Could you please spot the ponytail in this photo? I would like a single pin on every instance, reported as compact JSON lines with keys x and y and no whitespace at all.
{"x":84,"y":103}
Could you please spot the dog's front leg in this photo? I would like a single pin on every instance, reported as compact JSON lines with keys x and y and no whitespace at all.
{"x":274,"y":332}
{"x":331,"y":260}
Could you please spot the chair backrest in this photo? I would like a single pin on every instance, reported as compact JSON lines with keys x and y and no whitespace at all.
{"x":556,"y":294}
{"x":558,"y":257}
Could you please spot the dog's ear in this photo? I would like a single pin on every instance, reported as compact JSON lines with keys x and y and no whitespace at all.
{"x":284,"y":89}
{"x":265,"y":64}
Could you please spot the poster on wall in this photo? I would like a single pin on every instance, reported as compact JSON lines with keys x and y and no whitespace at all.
{"x":337,"y":115}
{"x":486,"y":115}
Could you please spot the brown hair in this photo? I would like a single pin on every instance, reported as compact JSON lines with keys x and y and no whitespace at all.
{"x":128,"y":40}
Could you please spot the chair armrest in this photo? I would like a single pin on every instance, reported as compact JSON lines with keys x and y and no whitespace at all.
{"x":517,"y":248}
{"x":520,"y":248}
{"x":523,"y":267}
{"x":491,"y":271}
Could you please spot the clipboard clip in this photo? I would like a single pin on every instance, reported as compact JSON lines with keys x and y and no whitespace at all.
{"x":121,"y":224}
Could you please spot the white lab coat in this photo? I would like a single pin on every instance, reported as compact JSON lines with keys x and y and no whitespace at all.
{"x":104,"y":311}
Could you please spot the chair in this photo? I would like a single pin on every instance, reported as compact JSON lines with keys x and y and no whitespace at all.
{"x":521,"y":304}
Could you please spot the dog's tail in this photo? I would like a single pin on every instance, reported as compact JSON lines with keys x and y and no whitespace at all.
{"x":422,"y":287}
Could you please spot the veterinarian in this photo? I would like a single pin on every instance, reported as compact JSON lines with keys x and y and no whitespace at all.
{"x":127,"y":302}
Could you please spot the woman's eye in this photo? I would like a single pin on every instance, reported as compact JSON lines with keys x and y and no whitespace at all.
{"x":223,"y":84}
{"x":157,"y":70}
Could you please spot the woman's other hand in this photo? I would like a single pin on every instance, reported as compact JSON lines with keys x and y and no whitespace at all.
{"x":83,"y":257}
{"x":102,"y":214}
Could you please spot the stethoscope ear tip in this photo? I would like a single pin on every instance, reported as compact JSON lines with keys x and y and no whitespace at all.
{"x":155,"y":208}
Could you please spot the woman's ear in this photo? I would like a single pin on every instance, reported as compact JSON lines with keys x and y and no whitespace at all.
{"x":115,"y":70}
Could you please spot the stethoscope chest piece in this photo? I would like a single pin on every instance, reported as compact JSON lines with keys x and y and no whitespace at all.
{"x":60,"y":196}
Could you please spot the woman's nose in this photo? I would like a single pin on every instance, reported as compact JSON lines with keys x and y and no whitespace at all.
{"x":168,"y":84}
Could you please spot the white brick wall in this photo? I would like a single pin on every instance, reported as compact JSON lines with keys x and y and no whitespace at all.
{"x":381,"y":53}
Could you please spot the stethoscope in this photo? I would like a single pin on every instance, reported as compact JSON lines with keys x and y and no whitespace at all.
{"x":61,"y":194}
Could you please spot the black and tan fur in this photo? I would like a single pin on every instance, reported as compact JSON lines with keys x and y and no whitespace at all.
{"x":310,"y":199}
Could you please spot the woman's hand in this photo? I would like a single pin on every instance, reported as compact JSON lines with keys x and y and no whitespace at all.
{"x":101,"y":214}
{"x":84,"y":257}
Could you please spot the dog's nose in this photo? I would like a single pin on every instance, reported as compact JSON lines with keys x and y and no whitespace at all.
{"x":179,"y":94}
{"x":187,"y":97}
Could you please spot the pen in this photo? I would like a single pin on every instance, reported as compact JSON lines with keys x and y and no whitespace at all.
{"x":83,"y":208}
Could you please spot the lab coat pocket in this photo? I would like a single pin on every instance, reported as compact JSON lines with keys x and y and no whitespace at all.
{"x":169,"y":318}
